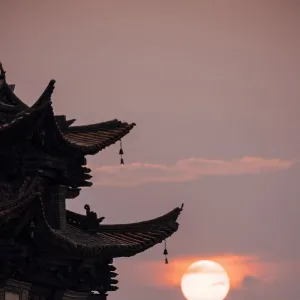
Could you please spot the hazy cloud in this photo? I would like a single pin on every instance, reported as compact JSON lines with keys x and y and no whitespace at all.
{"x":183,"y":170}
{"x":251,"y":281}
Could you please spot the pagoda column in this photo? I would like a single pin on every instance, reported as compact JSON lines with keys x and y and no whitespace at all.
{"x":55,"y":206}
{"x":2,"y":293}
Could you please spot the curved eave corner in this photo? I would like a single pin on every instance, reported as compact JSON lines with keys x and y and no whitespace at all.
{"x":45,"y":98}
{"x":148,"y":233}
{"x":27,"y":119}
{"x":166,"y":219}
{"x":122,"y":240}
{"x":91,"y":139}
{"x":8,"y":91}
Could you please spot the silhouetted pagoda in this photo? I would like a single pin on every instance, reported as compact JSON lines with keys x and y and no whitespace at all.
{"x":47,"y":251}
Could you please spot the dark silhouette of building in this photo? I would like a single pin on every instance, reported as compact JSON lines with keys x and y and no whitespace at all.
{"x":47,"y":251}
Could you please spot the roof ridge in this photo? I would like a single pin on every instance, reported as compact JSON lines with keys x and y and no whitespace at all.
{"x":98,"y":126}
{"x":9,"y":91}
{"x":171,"y":216}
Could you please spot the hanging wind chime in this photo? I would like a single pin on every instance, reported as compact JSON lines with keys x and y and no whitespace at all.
{"x":121,"y":152}
{"x":166,"y":253}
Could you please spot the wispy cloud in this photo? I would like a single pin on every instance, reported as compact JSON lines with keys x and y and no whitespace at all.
{"x":183,"y":170}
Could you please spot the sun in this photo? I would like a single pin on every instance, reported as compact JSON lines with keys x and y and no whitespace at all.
{"x":205,"y":280}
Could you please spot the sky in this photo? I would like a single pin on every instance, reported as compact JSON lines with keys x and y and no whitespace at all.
{"x":213,"y":87}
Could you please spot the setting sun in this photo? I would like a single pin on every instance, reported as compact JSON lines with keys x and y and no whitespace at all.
{"x":205,"y":280}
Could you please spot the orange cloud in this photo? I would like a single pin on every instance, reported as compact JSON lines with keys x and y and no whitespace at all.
{"x":184,"y":170}
{"x":238,"y":267}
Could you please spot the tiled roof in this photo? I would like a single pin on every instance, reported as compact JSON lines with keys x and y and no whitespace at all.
{"x":7,"y":95}
{"x":114,"y":240}
{"x":23,"y":119}
{"x":87,"y":139}
{"x":118,"y":240}
{"x":28,"y":192}
{"x":96,"y":137}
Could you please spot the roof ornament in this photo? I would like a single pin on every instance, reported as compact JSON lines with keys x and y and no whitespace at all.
{"x":121,"y":152}
{"x":166,"y":253}
{"x":92,"y":221}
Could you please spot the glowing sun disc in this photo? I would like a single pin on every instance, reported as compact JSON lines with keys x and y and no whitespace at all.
{"x":205,"y":280}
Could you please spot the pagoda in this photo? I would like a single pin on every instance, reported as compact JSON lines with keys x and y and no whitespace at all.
{"x":47,"y":251}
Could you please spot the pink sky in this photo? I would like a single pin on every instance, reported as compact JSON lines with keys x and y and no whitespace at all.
{"x":214,"y":89}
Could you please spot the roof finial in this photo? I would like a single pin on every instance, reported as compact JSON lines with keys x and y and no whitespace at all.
{"x":2,"y":72}
{"x":87,"y":209}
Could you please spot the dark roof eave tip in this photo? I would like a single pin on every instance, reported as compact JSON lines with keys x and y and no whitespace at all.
{"x":182,"y":206}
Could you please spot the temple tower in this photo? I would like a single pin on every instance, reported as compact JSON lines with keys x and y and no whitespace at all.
{"x":47,"y":251}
